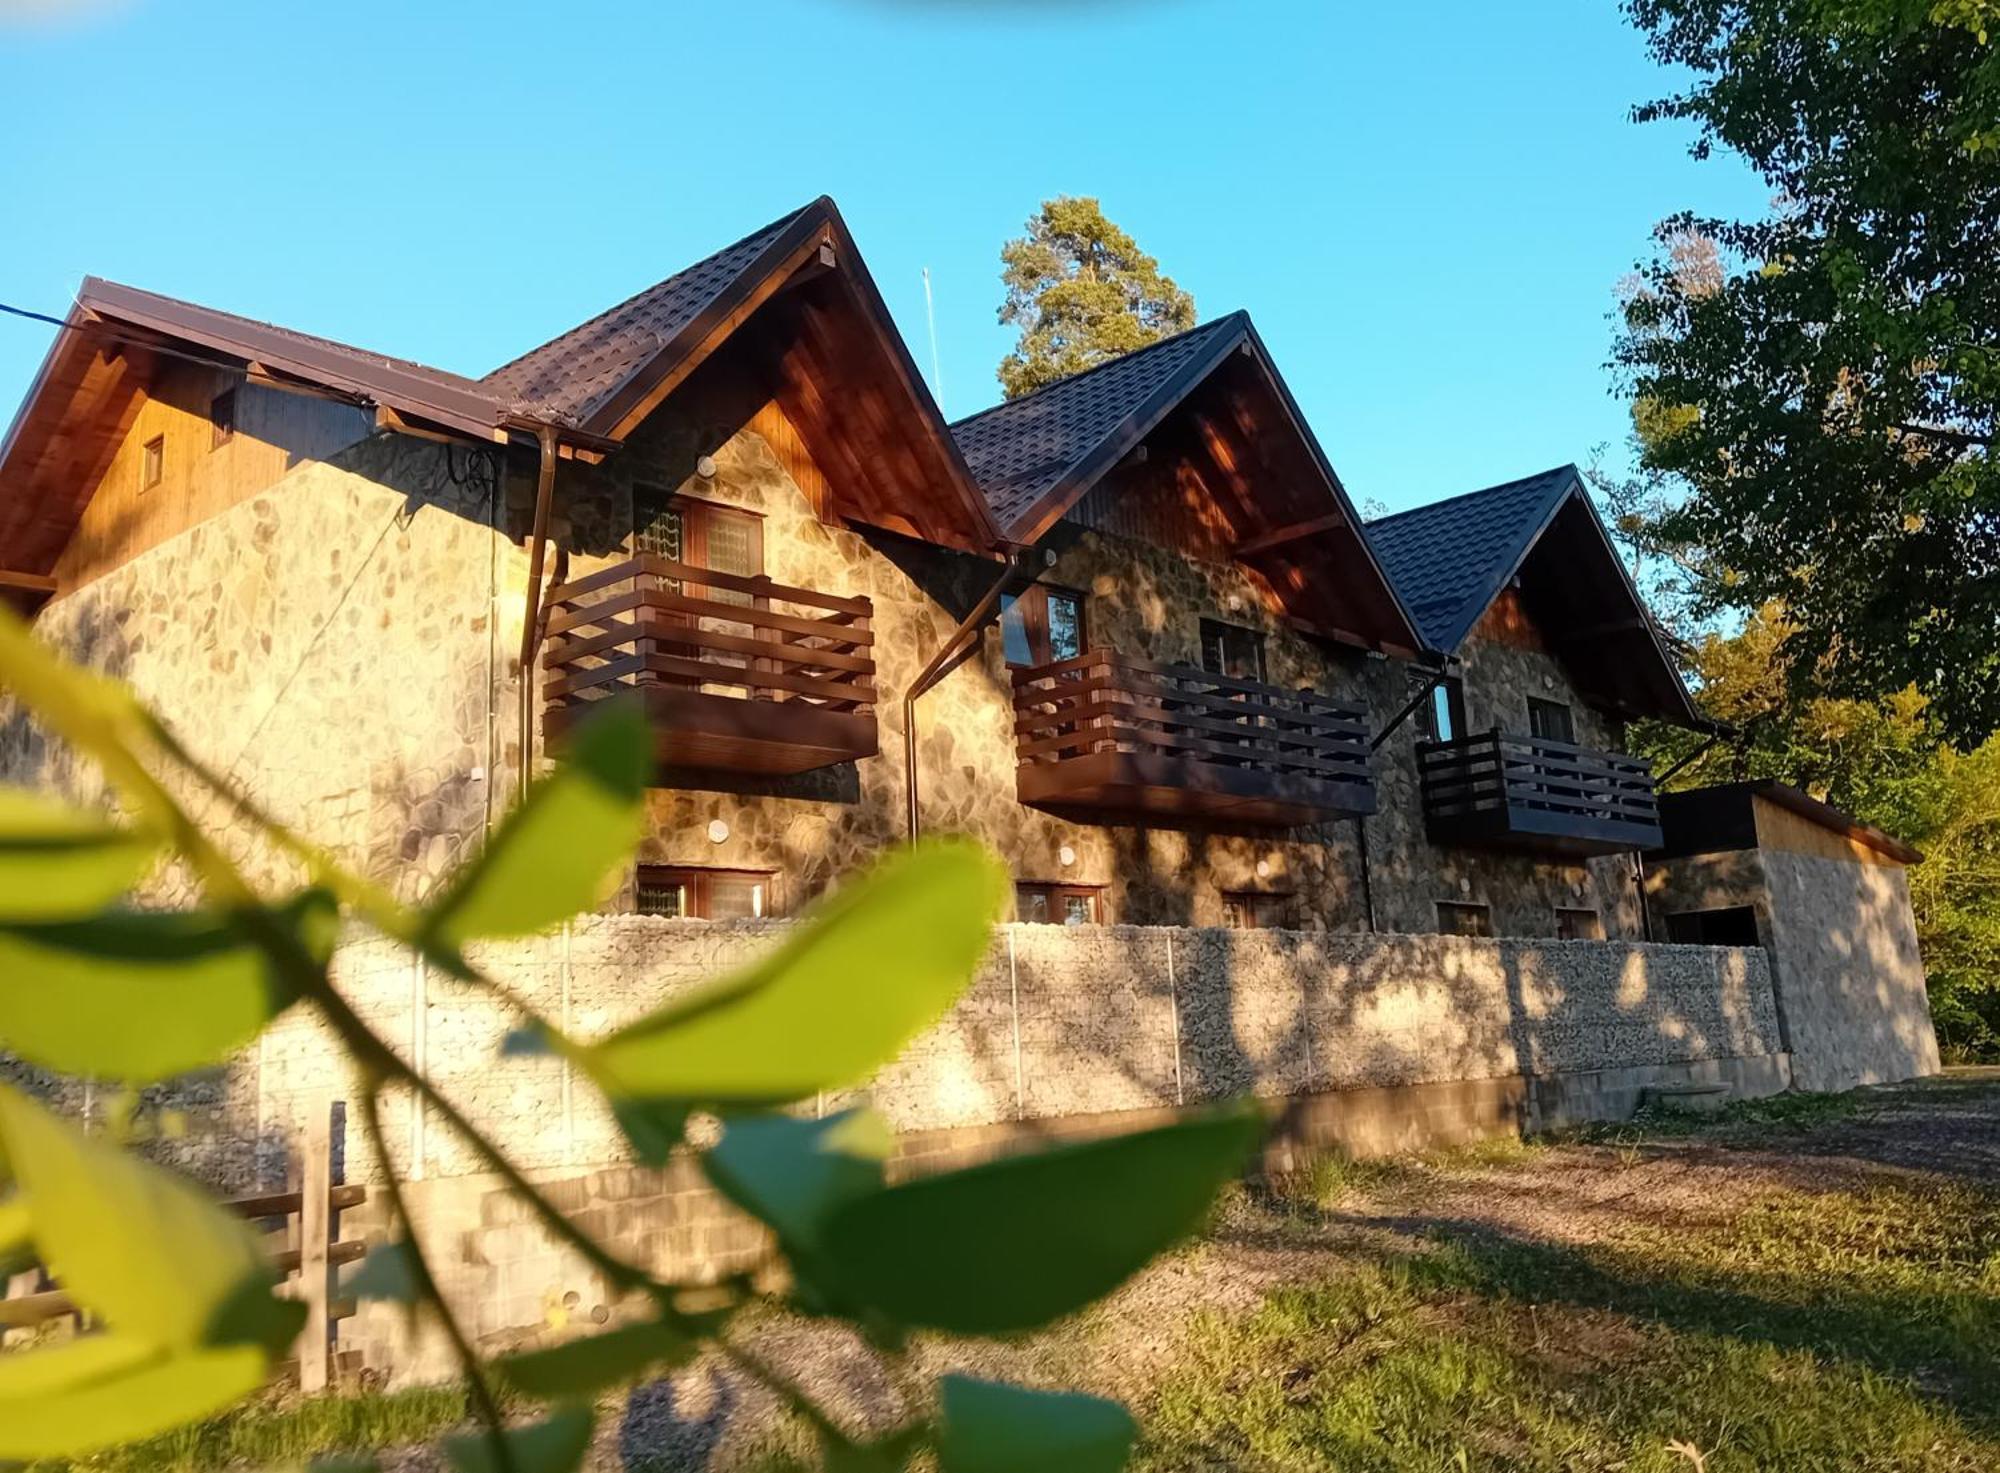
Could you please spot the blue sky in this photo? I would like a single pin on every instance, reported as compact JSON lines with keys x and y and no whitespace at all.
{"x":1425,"y":208}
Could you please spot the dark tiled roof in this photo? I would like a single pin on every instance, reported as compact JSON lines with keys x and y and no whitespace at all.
{"x":1019,"y":451}
{"x":1450,"y":559}
{"x":568,"y":378}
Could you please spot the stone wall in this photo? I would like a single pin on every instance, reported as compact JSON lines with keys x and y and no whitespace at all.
{"x":1369,"y":1043}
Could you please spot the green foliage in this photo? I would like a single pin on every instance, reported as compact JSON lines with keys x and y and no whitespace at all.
{"x":59,"y":863}
{"x":184,"y":1289}
{"x":1081,"y":292}
{"x":551,"y":857}
{"x":1014,"y":1243}
{"x":871,"y":967}
{"x":1816,"y":391}
{"x":139,"y":995}
{"x":1880,"y":760}
{"x":989,"y":1427}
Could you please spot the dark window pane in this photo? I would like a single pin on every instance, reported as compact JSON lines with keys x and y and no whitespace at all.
{"x":1733,"y":925}
{"x":1550,"y":720}
{"x":1229,"y":649}
{"x":1065,"y":626}
{"x":657,"y":525}
{"x":1578,"y":924}
{"x":1257,"y":912}
{"x":735,"y":897}
{"x":152,"y":462}
{"x":1079,"y":910}
{"x":1014,"y":640}
{"x":662,"y":897}
{"x":1459,"y":918}
{"x":222,"y":417}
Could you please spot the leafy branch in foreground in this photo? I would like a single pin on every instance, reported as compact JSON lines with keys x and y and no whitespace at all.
{"x":181,"y":1292}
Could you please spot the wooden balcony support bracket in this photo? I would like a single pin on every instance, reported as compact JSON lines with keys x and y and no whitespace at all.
{"x":27,"y":582}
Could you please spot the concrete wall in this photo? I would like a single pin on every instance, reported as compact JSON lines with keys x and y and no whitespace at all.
{"x":1836,"y":921}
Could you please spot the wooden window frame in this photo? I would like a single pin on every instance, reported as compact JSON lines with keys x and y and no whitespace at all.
{"x":697,"y":517}
{"x":699,"y":880}
{"x":1595,"y":930}
{"x":1222,"y":628}
{"x":1033,"y":602}
{"x":1249,"y":900}
{"x":153,"y":462}
{"x":1479,"y":908}
{"x":1057,"y":892}
{"x":1537,"y":705}
{"x":222,"y":418}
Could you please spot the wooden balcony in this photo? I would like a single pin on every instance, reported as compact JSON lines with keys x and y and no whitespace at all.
{"x":739,"y":674}
{"x":1118,"y":740}
{"x":1497,"y":790}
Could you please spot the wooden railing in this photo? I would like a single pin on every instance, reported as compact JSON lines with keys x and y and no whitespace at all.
{"x":1557,"y":784}
{"x":650,"y":621}
{"x":1104,"y":701}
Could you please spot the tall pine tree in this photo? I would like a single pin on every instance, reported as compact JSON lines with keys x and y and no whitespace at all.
{"x":1081,"y":292}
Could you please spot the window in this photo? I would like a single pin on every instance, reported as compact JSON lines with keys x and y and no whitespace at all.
{"x":701,"y":534}
{"x":1578,"y":924}
{"x":703,"y":894}
{"x":1550,"y":721}
{"x":1230,"y":649}
{"x":1732,"y":925}
{"x":1059,"y":905}
{"x":1441,"y":716}
{"x":152,"y":462}
{"x":1260,"y":910}
{"x":222,"y":418}
{"x":1041,"y":626}
{"x":1461,"y":918}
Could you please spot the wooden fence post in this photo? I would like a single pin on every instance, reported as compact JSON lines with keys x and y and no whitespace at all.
{"x":315,"y":1271}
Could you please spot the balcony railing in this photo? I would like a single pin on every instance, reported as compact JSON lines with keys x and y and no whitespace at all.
{"x":739,"y":674}
{"x":1496,"y":789}
{"x":1121,"y":738}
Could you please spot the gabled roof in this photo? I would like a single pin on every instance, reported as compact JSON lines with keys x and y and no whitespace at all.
{"x":1451,"y":559}
{"x":1035,"y":457}
{"x":1023,"y":452}
{"x":594,"y":384}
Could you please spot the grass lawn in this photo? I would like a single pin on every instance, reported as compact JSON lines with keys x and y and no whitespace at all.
{"x":1806,"y":1283}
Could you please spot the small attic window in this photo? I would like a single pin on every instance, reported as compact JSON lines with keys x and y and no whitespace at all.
{"x":152,"y":462}
{"x":222,"y":418}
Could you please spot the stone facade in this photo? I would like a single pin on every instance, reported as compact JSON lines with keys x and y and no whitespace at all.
{"x":1835,"y":918}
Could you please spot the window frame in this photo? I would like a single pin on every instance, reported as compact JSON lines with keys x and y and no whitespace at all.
{"x":1595,"y":931}
{"x":1055,"y":892}
{"x":1451,"y":689}
{"x":1221,"y":629}
{"x":1678,"y":922}
{"x":153,"y":462}
{"x":1480,"y":910}
{"x":698,"y":880}
{"x":222,"y":418}
{"x":1541,"y":709}
{"x":1033,"y":602}
{"x":698,"y":516}
{"x":1239,"y":901}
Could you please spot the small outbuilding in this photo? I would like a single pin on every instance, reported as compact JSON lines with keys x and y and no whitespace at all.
{"x":1765,"y":864}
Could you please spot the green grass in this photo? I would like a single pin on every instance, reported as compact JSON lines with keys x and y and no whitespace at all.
{"x":1851,"y":1331}
{"x":275,"y":1432}
{"x":1774,"y":1117}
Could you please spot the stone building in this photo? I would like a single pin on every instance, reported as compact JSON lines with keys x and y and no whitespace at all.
{"x":1764,"y":864}
{"x":1128,"y":630}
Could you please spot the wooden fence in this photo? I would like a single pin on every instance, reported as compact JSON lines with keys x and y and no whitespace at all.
{"x":303,"y":1227}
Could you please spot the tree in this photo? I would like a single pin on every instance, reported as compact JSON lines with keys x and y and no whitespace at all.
{"x":1879,"y":760}
{"x":1819,"y":403}
{"x":1081,"y":292}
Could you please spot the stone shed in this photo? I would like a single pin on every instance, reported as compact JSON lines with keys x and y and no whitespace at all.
{"x":1764,"y":864}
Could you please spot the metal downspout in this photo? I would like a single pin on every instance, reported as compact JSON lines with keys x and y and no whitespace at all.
{"x":531,"y":615}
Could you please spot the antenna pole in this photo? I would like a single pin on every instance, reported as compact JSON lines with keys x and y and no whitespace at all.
{"x":930,"y":316}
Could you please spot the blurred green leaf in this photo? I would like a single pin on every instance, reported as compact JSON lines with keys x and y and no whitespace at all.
{"x":149,"y":1252}
{"x":873,"y":965}
{"x":142,"y":995}
{"x":94,"y":1392}
{"x":651,"y":1127}
{"x":386,"y":1274}
{"x":15,"y":1226}
{"x":554,"y":1445}
{"x":1012,"y":1244}
{"x":59,"y":863}
{"x":550,"y":857}
{"x":584,"y":1367}
{"x":793,"y":1174}
{"x":989,"y":1427}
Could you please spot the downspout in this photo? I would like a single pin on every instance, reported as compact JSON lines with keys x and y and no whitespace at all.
{"x":1361,"y":820}
{"x":948,"y":653}
{"x":531,"y":614}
